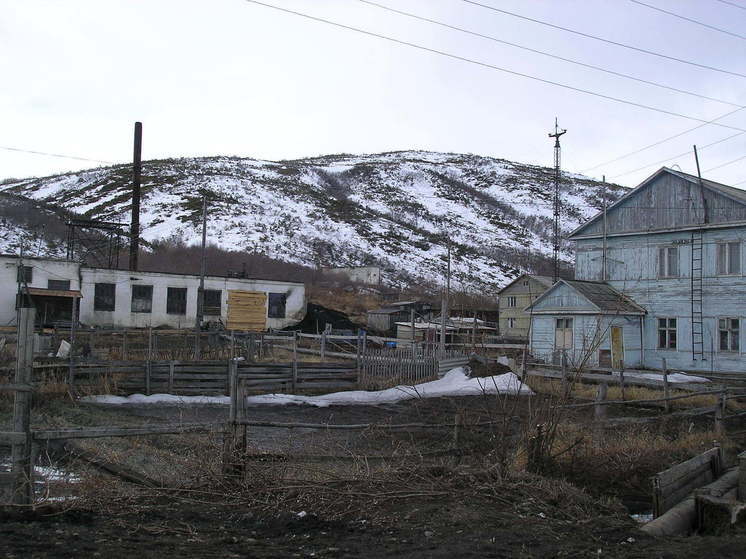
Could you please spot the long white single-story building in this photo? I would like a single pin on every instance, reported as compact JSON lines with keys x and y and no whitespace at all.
{"x":126,"y":299}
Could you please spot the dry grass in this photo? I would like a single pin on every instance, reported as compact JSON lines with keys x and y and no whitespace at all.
{"x":588,"y":392}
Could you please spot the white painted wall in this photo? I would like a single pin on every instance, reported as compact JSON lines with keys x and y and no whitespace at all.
{"x":84,"y":279}
{"x":43,"y":270}
{"x":370,"y":275}
{"x":123,"y":279}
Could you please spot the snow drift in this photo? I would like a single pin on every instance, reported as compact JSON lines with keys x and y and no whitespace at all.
{"x":454,"y":383}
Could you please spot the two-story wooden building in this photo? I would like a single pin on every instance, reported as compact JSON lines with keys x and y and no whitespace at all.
{"x":513,"y":299}
{"x":660,"y":275}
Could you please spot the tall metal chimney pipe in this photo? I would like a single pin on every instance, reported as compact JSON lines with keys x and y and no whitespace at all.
{"x":136,"y":174}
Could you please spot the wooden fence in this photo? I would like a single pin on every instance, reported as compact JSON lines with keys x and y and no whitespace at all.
{"x":212,"y":377}
{"x":674,"y":484}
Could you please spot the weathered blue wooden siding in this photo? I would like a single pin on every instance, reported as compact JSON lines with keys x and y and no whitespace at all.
{"x":633,"y":269}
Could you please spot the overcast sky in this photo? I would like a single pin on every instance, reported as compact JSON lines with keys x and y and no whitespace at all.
{"x":228,"y":77}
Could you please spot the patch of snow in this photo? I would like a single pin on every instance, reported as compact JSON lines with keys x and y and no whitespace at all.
{"x":681,"y":377}
{"x":454,"y":383}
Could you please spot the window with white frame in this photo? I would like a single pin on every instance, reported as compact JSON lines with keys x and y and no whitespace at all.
{"x":668,"y":262}
{"x":563,"y":333}
{"x":511,"y":301}
{"x":728,"y":258}
{"x":666,"y":333}
{"x":511,"y":323}
{"x":728,"y":329}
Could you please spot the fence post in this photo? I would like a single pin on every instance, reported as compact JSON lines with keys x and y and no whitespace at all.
{"x":147,"y":378}
{"x":22,"y":465}
{"x":563,"y":358}
{"x":359,"y":348}
{"x":124,"y":345}
{"x":323,"y":346}
{"x":719,"y":407}
{"x":171,"y":367}
{"x":666,"y":388}
{"x":599,"y":414}
{"x":621,"y":380}
{"x":71,"y":364}
{"x":295,"y":361}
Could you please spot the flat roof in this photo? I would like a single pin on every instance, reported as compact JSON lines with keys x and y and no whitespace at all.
{"x":211,"y":276}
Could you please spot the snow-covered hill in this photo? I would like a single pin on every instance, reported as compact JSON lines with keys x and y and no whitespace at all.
{"x":398,"y":210}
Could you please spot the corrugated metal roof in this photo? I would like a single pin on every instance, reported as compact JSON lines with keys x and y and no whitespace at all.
{"x":605,"y":297}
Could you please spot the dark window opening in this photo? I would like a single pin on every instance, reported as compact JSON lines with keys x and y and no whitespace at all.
{"x":104,"y":297}
{"x":211,"y":302}
{"x":25,"y":274}
{"x":667,"y":333}
{"x":58,"y":285}
{"x":729,"y":334}
{"x":176,"y":300}
{"x":276,"y":307}
{"x":142,"y":298}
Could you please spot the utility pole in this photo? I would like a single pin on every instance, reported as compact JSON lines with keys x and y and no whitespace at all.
{"x":701,"y":188}
{"x":604,"y":258}
{"x":201,"y":290}
{"x":444,"y":304}
{"x":557,"y":178}
{"x":136,"y":177}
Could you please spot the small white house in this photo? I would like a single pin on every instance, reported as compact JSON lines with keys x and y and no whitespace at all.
{"x":126,"y":299}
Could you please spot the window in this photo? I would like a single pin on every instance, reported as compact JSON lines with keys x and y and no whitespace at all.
{"x":211,"y":302}
{"x":104,"y":297}
{"x":728,"y":329}
{"x":728,"y":258}
{"x":176,"y":300}
{"x":511,"y":301}
{"x":142,"y":298}
{"x":511,"y":323}
{"x":58,"y":285}
{"x":563,"y":333}
{"x":25,"y":274}
{"x":668,"y":262}
{"x":666,"y":333}
{"x":276,"y":307}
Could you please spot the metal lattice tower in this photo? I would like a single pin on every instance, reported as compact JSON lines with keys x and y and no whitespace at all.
{"x":557,"y":178}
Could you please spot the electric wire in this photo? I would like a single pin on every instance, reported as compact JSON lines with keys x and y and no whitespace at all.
{"x":691,"y":20}
{"x":731,"y":4}
{"x":603,"y":40}
{"x":682,"y":154}
{"x":548,"y":54}
{"x":664,"y":140}
{"x":725,"y":164}
{"x":7,"y":148}
{"x":490,"y":66}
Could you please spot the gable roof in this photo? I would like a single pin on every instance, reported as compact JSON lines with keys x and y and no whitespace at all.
{"x":600,"y":295}
{"x":735,"y":194}
{"x":546,"y":281}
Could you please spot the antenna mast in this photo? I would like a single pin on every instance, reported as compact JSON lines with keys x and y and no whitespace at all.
{"x":557,"y":178}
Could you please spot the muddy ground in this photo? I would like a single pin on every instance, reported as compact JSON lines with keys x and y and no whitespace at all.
{"x":449,"y":503}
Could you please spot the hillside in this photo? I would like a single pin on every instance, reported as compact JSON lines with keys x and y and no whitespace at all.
{"x":397,"y":210}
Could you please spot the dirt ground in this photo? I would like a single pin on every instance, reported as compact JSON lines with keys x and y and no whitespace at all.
{"x":453,"y":505}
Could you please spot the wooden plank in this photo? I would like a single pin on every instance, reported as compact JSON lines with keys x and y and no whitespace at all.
{"x":11,"y":437}
{"x":100,"y":432}
{"x":680,"y":471}
{"x":247,"y":310}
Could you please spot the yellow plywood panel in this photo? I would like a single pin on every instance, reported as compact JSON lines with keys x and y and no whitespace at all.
{"x":247,"y":310}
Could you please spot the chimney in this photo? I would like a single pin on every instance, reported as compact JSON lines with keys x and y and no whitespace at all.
{"x":136,"y":172}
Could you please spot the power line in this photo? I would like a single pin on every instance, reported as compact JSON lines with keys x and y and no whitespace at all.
{"x":603,"y":40}
{"x":689,"y":152}
{"x":544,"y":53}
{"x":696,"y":22}
{"x":490,"y":66}
{"x":731,"y":4}
{"x":58,"y":155}
{"x":664,"y":140}
{"x":725,"y":164}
